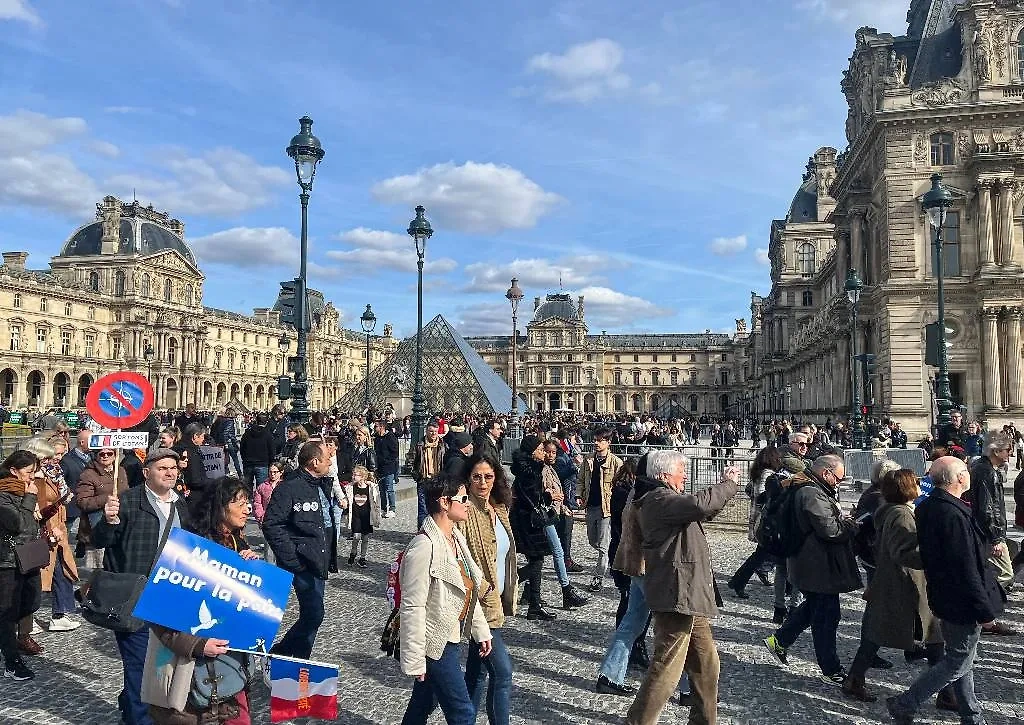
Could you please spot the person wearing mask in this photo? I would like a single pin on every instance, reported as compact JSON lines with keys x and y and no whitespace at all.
{"x":427,"y":462}
{"x":529,"y":518}
{"x":679,"y":587}
{"x":491,"y":544}
{"x":130,"y":531}
{"x":962,"y":592}
{"x":20,"y":594}
{"x":988,"y":507}
{"x":95,"y":486}
{"x":385,"y":446}
{"x":441,"y":588}
{"x":594,"y":491}
{"x":823,"y":568}
{"x":257,"y":451}
{"x":300,"y":530}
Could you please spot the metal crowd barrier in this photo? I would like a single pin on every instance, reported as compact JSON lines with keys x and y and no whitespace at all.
{"x":8,"y":444}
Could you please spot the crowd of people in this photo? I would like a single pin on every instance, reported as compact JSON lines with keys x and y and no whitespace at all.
{"x":935,"y":552}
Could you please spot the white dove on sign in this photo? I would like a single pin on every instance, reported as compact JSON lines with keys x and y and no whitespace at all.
{"x":206,"y":619}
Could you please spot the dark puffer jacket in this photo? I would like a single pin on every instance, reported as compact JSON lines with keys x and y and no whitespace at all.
{"x":528,"y":489}
{"x":825,"y":563}
{"x":17,"y":525}
{"x":985,"y":497}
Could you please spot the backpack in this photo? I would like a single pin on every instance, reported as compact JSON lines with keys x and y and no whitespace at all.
{"x":389,"y":635}
{"x":778,"y":531}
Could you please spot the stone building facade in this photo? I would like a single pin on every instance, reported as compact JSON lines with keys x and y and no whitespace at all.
{"x":561,"y":366}
{"x":127,"y":282}
{"x":946,"y":97}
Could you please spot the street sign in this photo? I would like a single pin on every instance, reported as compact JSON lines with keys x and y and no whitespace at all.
{"x":110,"y":439}
{"x":16,"y":418}
{"x":120,"y":400}
{"x":71,"y":418}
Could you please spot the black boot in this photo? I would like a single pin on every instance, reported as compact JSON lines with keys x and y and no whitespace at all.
{"x":780,"y":615}
{"x":536,"y":609}
{"x":740,"y":593}
{"x":638,"y":656}
{"x":571,"y":597}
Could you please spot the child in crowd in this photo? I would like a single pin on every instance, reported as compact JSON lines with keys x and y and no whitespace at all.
{"x":363,"y":513}
{"x":261,"y":499}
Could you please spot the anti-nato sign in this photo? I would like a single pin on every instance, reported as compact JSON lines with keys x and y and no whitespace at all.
{"x":208,"y":590}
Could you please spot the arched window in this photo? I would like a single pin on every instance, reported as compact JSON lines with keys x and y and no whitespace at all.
{"x":638,"y":403}
{"x":94,"y":281}
{"x":1020,"y":54}
{"x":693,"y":403}
{"x":168,"y":289}
{"x":808,"y":298}
{"x":942,"y":149}
{"x":145,"y":285}
{"x":805,"y":259}
{"x":617,"y":402}
{"x":119,"y":283}
{"x":189,"y":295}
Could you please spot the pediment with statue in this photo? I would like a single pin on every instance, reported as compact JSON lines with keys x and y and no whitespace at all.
{"x":171,"y":261}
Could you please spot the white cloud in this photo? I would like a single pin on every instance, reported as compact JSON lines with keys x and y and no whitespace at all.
{"x":27,"y":131}
{"x":728,"y":246}
{"x":886,"y":15}
{"x":126,"y":110}
{"x":485,"y":319}
{"x":374,"y":250}
{"x":220,"y":182}
{"x":541,"y":275}
{"x":583,"y":73}
{"x":20,"y":10}
{"x":608,"y":308}
{"x":249,"y":247}
{"x":103,"y":148}
{"x":473,"y":197}
{"x":761,"y":255}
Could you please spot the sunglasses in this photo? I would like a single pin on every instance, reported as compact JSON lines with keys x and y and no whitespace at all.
{"x":463,"y":499}
{"x":801,"y":445}
{"x":104,"y":454}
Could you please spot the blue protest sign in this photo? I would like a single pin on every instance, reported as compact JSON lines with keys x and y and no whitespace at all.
{"x":926,"y":489}
{"x":208,"y":590}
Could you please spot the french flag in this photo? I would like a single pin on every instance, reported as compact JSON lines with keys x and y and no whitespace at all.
{"x":302,"y":689}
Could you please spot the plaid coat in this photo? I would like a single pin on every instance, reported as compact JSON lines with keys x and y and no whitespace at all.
{"x":131,"y":545}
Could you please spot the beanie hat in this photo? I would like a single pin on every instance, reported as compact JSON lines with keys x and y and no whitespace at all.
{"x":530,"y":444}
{"x":461,"y":440}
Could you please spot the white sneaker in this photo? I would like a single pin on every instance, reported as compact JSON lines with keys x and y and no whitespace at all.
{"x":36,"y":629}
{"x":390,"y":515}
{"x":64,"y":624}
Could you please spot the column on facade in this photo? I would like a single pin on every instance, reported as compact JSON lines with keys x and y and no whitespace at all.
{"x":1004,"y":246}
{"x":1012,"y":365}
{"x":990,"y":346}
{"x":986,"y":244}
{"x":1016,"y":258}
{"x":857,"y":241}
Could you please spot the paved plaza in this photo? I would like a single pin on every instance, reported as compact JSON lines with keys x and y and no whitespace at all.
{"x":78,"y":676}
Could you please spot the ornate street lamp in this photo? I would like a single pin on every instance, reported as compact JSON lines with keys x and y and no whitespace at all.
{"x":419,"y":229}
{"x":853,"y":289}
{"x":787,"y":403}
{"x":368,"y":320}
{"x":514,"y":296}
{"x":284,"y":343}
{"x":149,"y":353}
{"x":306,"y":151}
{"x":935,"y":202}
{"x":800,"y":386}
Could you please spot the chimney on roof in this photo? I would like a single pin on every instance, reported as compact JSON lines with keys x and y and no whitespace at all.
{"x":536,"y":303}
{"x":15,"y":260}
{"x":581,"y":306}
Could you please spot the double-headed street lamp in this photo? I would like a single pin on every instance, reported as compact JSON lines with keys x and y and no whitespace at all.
{"x":853,"y":288}
{"x":935,"y":202}
{"x":419,"y":229}
{"x":368,"y":320}
{"x":514,"y":296}
{"x":306,"y":151}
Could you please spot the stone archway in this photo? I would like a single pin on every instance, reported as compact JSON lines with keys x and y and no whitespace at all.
{"x":259,"y":397}
{"x":84,"y":383}
{"x":247,"y":396}
{"x":34,"y":387}
{"x":589,"y":403}
{"x":171,"y":394}
{"x":222,"y":393}
{"x":8,"y":386}
{"x":554,"y":401}
{"x":207,"y":394}
{"x":235,"y":390}
{"x":62,"y":390}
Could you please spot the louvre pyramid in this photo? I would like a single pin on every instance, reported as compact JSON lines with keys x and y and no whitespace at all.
{"x":455,"y":377}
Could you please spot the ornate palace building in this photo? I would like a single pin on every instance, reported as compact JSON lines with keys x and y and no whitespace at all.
{"x":560,"y":366}
{"x":946,"y":97}
{"x":128,"y":282}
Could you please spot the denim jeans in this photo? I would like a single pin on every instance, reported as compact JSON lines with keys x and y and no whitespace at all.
{"x":444,"y":685}
{"x":62,"y":591}
{"x":956,"y":668}
{"x":821,"y":613}
{"x":387,"y":493}
{"x":496,"y":671}
{"x":309,"y":593}
{"x":255,"y":475}
{"x":634,"y":621}
{"x":421,"y":506}
{"x":232,"y":454}
{"x":132,"y":647}
{"x":557,"y":554}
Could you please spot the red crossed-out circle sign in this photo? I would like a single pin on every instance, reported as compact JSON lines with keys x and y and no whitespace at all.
{"x":120,"y":400}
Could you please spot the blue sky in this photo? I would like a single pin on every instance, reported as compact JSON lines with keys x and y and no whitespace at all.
{"x":637,"y":151}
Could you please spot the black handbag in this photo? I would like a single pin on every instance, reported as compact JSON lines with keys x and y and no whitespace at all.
{"x":32,"y":556}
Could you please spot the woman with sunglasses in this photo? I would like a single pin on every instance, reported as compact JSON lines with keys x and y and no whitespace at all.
{"x":95,"y":486}
{"x":441,"y":587}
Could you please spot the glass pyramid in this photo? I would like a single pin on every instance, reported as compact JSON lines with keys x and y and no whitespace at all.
{"x":455,"y":377}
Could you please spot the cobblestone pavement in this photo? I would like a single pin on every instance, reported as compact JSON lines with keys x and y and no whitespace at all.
{"x":78,"y":676}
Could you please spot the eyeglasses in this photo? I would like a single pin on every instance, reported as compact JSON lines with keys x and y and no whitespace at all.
{"x":481,"y":477}
{"x":104,"y":454}
{"x":463,"y":499}
{"x":801,"y":445}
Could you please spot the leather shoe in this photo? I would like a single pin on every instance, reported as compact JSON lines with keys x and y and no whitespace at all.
{"x":763,"y":576}
{"x":740,"y":594}
{"x":878,"y":663}
{"x":28,"y":646}
{"x":1001,"y":629}
{"x":607,"y":687}
{"x":572,"y":567}
{"x":780,"y":615}
{"x":854,"y":687}
{"x":539,"y":613}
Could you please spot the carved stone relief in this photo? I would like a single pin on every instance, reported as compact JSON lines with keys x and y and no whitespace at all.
{"x":921,"y":150}
{"x":939,"y":93}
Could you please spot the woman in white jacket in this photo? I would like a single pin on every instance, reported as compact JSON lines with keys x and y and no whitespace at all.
{"x":441,"y":588}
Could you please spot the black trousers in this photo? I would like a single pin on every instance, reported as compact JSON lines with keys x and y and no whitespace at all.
{"x":564,"y":529}
{"x":758,"y":558}
{"x":20,"y":596}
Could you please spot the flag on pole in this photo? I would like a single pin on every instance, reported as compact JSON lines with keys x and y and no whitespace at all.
{"x":302,"y":689}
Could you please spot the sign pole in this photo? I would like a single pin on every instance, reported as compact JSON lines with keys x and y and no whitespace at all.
{"x":117,"y":462}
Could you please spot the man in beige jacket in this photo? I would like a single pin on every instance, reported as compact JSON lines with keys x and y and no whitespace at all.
{"x":594,"y":493}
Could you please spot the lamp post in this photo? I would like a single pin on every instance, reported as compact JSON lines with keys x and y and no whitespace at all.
{"x":149,"y":353}
{"x":853,"y":288}
{"x":368,"y":320}
{"x":800,"y":386}
{"x":787,"y":403}
{"x":935,"y":203}
{"x":514,"y":296}
{"x":419,"y":229}
{"x":306,"y":151}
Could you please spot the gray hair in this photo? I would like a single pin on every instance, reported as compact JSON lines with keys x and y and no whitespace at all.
{"x":38,"y":445}
{"x":946,"y":470}
{"x":997,"y":442}
{"x":659,"y":462}
{"x":882,"y":467}
{"x":827,"y":463}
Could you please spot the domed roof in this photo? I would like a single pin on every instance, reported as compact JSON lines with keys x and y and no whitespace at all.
{"x":560,"y":305}
{"x":135,"y":236}
{"x":805,"y":203}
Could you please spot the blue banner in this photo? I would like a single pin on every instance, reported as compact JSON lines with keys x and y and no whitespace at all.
{"x":208,"y":590}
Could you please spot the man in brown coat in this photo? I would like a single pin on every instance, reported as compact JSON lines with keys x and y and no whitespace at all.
{"x":680,"y":588}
